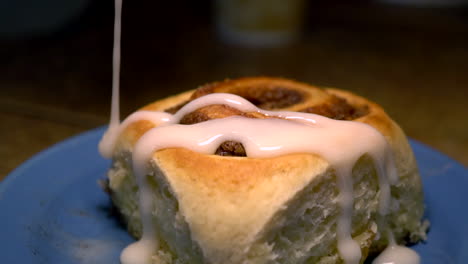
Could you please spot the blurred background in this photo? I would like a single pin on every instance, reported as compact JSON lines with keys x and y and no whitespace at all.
{"x":56,"y":60}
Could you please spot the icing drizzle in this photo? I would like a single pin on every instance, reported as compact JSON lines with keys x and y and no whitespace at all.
{"x":341,"y":143}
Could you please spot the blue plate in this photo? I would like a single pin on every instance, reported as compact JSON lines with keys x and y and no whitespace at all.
{"x":53,"y":211}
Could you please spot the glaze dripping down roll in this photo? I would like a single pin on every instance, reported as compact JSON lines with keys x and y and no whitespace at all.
{"x":230,"y":206}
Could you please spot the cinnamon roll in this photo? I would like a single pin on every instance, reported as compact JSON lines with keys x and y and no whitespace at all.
{"x":264,"y":170}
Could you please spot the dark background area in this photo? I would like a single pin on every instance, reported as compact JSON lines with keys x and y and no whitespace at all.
{"x":411,"y":60}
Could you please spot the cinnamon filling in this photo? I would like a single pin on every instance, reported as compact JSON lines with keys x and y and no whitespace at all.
{"x":268,"y":96}
{"x":265,"y":95}
{"x":231,"y":148}
{"x":337,"y":108}
{"x":216,"y":111}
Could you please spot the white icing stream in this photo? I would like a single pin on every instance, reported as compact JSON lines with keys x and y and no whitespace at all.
{"x":114,"y":124}
{"x":341,"y":143}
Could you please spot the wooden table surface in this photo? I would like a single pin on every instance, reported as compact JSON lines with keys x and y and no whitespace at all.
{"x":414,"y":62}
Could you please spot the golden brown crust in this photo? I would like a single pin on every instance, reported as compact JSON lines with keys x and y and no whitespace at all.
{"x":227,"y":201}
{"x":230,"y":174}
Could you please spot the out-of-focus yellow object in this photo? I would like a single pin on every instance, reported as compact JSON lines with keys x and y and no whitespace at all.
{"x":428,"y":3}
{"x":259,"y":22}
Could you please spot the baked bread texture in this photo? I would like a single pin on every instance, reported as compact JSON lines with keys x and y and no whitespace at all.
{"x":228,"y":208}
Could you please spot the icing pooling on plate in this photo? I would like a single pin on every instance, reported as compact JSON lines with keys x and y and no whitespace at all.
{"x":340,"y":142}
{"x":395,"y":254}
